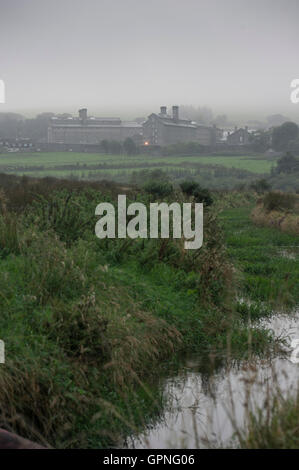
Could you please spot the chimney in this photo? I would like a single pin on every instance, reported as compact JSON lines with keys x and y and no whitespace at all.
{"x":163,"y":110}
{"x":83,"y":114}
{"x":175,"y":113}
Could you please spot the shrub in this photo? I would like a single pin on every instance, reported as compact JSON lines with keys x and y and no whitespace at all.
{"x":279,"y":201}
{"x":191,"y":188}
{"x":159,"y":189}
{"x":188,"y":187}
{"x":48,"y":269}
{"x":67,"y":213}
{"x":204,"y":196}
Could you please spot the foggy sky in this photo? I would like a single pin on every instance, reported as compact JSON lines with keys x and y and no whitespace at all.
{"x":131,"y":56}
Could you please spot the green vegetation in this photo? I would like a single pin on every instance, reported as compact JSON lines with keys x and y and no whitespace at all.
{"x":279,"y":201}
{"x":257,"y":164}
{"x":85,"y":320}
{"x":267,"y":274}
{"x":56,"y":161}
{"x":279,"y":210}
{"x":212,"y":171}
{"x":285,"y":135}
{"x":191,"y":188}
{"x":287,"y":164}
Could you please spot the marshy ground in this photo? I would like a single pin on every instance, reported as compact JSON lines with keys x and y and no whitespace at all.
{"x":244,"y":402}
{"x":91,"y":326}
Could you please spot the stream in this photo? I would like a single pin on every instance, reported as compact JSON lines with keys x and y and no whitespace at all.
{"x":204,"y":411}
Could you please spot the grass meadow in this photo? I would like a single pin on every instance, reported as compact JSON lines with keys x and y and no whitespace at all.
{"x":82,"y":165}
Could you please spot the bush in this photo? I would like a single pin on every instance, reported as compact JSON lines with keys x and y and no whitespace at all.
{"x":279,"y":201}
{"x":159,"y":188}
{"x":67,"y":213}
{"x":48,"y":269}
{"x":191,"y":188}
{"x":204,"y":196}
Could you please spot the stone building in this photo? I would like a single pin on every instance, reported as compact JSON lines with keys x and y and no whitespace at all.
{"x":164,"y":129}
{"x":207,"y":135}
{"x":238,"y":137}
{"x":91,"y":130}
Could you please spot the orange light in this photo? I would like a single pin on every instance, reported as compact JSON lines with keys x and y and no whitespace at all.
{"x":146,"y":143}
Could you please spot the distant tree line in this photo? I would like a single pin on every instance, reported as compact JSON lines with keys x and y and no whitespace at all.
{"x":286,"y":137}
{"x":114,"y":147}
{"x":13,"y":125}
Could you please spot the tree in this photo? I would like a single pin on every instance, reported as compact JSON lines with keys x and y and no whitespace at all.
{"x":37,"y":128}
{"x":130,"y":146}
{"x":10,"y":125}
{"x":260,"y":140}
{"x":284,"y":134}
{"x":294,"y":146}
{"x":287,"y":164}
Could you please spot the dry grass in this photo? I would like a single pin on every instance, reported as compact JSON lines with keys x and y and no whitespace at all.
{"x":284,"y":216}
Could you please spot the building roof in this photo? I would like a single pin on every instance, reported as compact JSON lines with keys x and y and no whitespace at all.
{"x":94,"y":123}
{"x":237,"y":131}
{"x":169,"y":121}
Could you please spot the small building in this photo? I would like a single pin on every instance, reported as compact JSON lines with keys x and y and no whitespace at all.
{"x":164,"y":129}
{"x":238,"y":136}
{"x":91,"y":130}
{"x":21,"y":144}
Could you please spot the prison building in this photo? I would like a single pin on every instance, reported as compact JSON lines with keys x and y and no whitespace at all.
{"x":91,"y":130}
{"x":238,"y":137}
{"x":164,"y":129}
{"x":207,"y":135}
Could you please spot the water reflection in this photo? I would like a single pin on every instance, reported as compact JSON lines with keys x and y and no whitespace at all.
{"x":205,"y":410}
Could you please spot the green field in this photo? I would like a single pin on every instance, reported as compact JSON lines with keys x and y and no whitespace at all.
{"x":16,"y":162}
{"x":82,"y":173}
